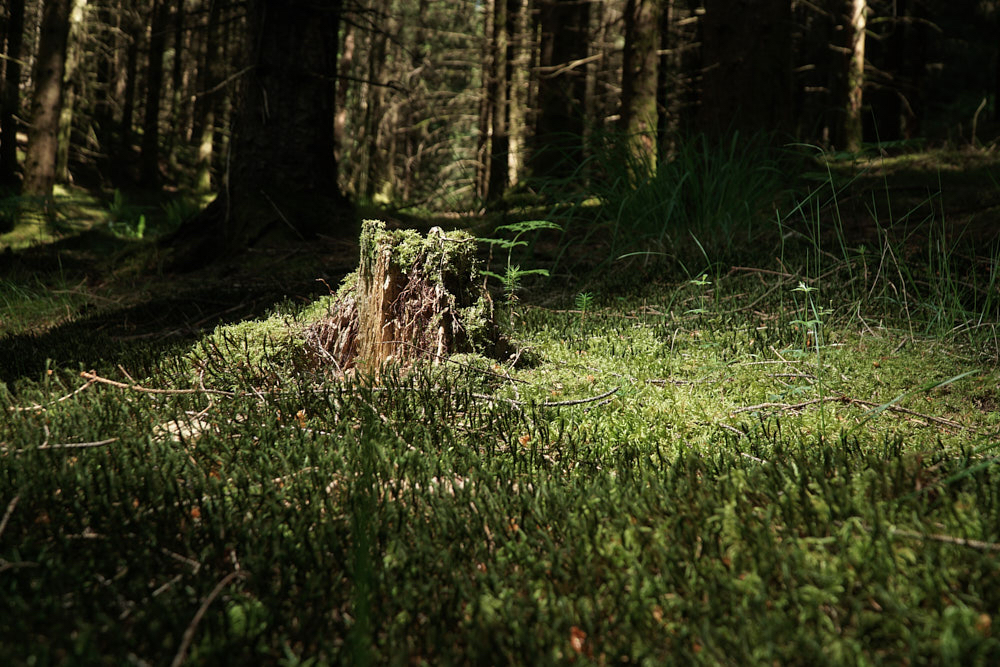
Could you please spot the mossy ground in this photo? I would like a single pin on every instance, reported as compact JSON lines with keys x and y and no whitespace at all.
{"x":727,"y":469}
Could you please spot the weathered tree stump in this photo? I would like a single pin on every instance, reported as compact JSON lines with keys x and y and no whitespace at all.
{"x":412,"y":298}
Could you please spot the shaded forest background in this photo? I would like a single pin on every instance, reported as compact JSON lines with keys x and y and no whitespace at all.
{"x":433,"y":106}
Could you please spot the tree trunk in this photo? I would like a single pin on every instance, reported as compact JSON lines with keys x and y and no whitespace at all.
{"x":282,"y":181}
{"x":558,"y":141}
{"x":374,"y":95}
{"x":518,"y":81}
{"x":149,"y":160}
{"x":493,"y":138}
{"x":747,"y":66}
{"x":134,"y":30}
{"x":177,"y":106}
{"x":346,"y":66}
{"x":639,"y":78}
{"x":10,"y":102}
{"x":855,"y":75}
{"x":71,"y":92}
{"x":47,"y":99}
{"x":207,"y":103}
{"x":104,"y":93}
{"x":499,"y":136}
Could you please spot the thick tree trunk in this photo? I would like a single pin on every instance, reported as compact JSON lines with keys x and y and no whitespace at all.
{"x":558,"y":141}
{"x":104,"y":93}
{"x":10,"y":102}
{"x":747,"y":66}
{"x":282,"y":179}
{"x":47,"y":99}
{"x":639,"y":78}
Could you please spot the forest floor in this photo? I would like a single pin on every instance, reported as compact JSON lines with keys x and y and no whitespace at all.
{"x":781,"y":450}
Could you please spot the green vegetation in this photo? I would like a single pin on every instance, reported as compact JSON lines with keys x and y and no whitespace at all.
{"x":787,"y":460}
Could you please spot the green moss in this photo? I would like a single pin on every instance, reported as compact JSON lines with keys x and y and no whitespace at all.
{"x":249,"y":354}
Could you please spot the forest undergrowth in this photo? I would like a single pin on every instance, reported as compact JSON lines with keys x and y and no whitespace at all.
{"x":789,"y":458}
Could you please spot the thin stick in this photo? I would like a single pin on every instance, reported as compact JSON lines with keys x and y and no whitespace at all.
{"x":786,"y":406}
{"x":64,"y":445}
{"x":549,"y":404}
{"x":847,"y":399}
{"x":58,"y":400}
{"x":94,"y":377}
{"x":948,"y":539}
{"x":6,"y":515}
{"x":189,"y":633}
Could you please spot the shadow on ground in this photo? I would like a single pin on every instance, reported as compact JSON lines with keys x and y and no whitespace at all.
{"x":130,"y":314}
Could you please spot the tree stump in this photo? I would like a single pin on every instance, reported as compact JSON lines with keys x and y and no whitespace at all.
{"x":412,"y":298}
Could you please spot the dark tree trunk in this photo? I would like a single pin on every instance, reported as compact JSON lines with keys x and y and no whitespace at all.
{"x":639,"y":78}
{"x":10,"y":102}
{"x":747,"y":66}
{"x":667,"y":109}
{"x":282,"y":179}
{"x":177,"y":105}
{"x":47,"y":99}
{"x":558,"y":141}
{"x":494,"y":140}
{"x":134,"y":30}
{"x":150,"y":156}
{"x":207,"y":103}
{"x":104,"y":93}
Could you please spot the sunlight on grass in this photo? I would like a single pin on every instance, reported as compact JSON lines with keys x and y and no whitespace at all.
{"x":790,"y":460}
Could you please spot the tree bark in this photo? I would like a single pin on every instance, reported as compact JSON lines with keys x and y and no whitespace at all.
{"x":207,"y":103}
{"x":47,"y":99}
{"x":855,"y":75}
{"x":518,"y":65}
{"x":558,"y":142}
{"x":178,"y":106}
{"x":639,"y":81}
{"x":149,"y":160}
{"x":494,"y":140}
{"x":134,"y":30}
{"x":11,"y":101}
{"x":282,"y":179}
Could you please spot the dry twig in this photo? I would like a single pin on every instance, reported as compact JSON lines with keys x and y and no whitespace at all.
{"x":847,"y":399}
{"x":189,"y":633}
{"x":94,"y":377}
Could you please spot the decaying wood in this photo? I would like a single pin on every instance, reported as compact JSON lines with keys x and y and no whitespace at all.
{"x":412,"y":297}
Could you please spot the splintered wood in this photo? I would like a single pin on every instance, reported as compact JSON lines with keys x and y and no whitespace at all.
{"x":411,"y":298}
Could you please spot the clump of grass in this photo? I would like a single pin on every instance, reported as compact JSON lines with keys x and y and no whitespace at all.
{"x":712,"y":191}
